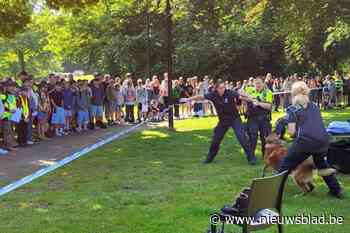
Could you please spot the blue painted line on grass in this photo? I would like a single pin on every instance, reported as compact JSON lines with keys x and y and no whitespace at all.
{"x":27,"y":179}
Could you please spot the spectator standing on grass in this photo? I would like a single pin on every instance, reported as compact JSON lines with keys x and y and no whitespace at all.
{"x":68,"y":100}
{"x":119,"y":95}
{"x":164,"y":95}
{"x":43,"y":110}
{"x":338,"y":82}
{"x":97,"y":101}
{"x":156,"y":88}
{"x":130,"y":98}
{"x":2,"y":111}
{"x":176,"y":98}
{"x":110,"y":101}
{"x":142,"y":101}
{"x":57,"y":119}
{"x":83,"y":106}
{"x":277,"y":87}
{"x":33,"y":108}
{"x":10,"y":107}
{"x":22,"y":126}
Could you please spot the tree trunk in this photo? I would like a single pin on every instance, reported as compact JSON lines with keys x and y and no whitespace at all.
{"x":21,"y":61}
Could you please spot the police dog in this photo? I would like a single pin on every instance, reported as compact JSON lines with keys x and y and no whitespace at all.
{"x":275,"y":151}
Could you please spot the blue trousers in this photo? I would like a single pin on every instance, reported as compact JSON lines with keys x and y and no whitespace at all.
{"x":296,"y":156}
{"x":219,"y":133}
{"x":30,"y":129}
{"x":257,"y":127}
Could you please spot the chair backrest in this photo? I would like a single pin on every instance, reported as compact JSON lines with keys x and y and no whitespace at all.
{"x":267,"y":193}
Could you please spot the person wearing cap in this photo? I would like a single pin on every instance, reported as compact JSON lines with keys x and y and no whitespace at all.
{"x":224,"y":101}
{"x":259,"y":102}
{"x":10,"y":107}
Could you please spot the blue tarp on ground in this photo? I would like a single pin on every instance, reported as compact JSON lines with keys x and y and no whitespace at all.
{"x":339,"y":127}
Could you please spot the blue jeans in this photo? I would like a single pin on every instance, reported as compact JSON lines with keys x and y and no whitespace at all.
{"x":296,"y":155}
{"x":219,"y":133}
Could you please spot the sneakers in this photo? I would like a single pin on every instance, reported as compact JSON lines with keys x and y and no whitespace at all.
{"x":30,"y":142}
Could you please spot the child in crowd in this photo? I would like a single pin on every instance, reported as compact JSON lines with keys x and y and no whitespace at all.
{"x":130,"y":98}
{"x":44,"y":109}
{"x":154,"y":113}
{"x":57,"y":120}
{"x":83,"y":106}
{"x":142,"y":100}
{"x":97,"y":100}
{"x":68,"y":100}
{"x":119,"y":104}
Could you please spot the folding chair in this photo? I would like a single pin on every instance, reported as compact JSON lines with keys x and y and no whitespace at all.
{"x":265,"y":201}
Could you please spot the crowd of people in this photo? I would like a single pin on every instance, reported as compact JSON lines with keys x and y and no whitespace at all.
{"x":34,"y":110}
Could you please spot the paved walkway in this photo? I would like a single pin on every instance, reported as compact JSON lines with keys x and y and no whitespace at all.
{"x":25,"y":161}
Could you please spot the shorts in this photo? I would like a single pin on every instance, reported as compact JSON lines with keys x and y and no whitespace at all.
{"x":58,"y":116}
{"x":83,"y":117}
{"x":118,"y":107}
{"x":68,"y":113}
{"x":110,"y":107}
{"x":143,"y":107}
{"x":42,"y":116}
{"x":96,"y":111}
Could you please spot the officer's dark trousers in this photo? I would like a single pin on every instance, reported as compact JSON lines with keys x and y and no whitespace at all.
{"x":296,"y":156}
{"x":22,"y":129}
{"x":258,"y":126}
{"x":219,"y":134}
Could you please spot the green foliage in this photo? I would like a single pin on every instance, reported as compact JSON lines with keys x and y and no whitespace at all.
{"x":14,"y":14}
{"x":223,"y":38}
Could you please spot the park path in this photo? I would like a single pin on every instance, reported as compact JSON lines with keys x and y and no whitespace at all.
{"x":23,"y":162}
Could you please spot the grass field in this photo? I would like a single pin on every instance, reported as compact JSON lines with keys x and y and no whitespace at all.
{"x":153,"y":182}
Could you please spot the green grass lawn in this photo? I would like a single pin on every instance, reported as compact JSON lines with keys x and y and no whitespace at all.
{"x":153,"y":182}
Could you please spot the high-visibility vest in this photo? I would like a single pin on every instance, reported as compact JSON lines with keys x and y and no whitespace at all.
{"x":25,"y":107}
{"x":10,"y":104}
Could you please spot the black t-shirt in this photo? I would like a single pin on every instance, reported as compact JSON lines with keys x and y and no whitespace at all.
{"x":225,"y":105}
{"x":189,"y":90}
{"x":183,"y":93}
{"x":57,"y":98}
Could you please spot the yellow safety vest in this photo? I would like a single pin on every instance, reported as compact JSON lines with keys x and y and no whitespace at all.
{"x":10,"y":104}
{"x":25,"y":107}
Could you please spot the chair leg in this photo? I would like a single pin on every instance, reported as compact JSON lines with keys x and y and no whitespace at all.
{"x":213,"y":228}
{"x":223,"y":228}
{"x":244,"y":229}
{"x":280,"y":228}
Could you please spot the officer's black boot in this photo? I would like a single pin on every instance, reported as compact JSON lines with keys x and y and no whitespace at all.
{"x":334,"y":186}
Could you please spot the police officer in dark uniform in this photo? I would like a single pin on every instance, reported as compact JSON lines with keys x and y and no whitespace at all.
{"x":224,"y":102}
{"x":259,"y":104}
{"x":311,"y":138}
